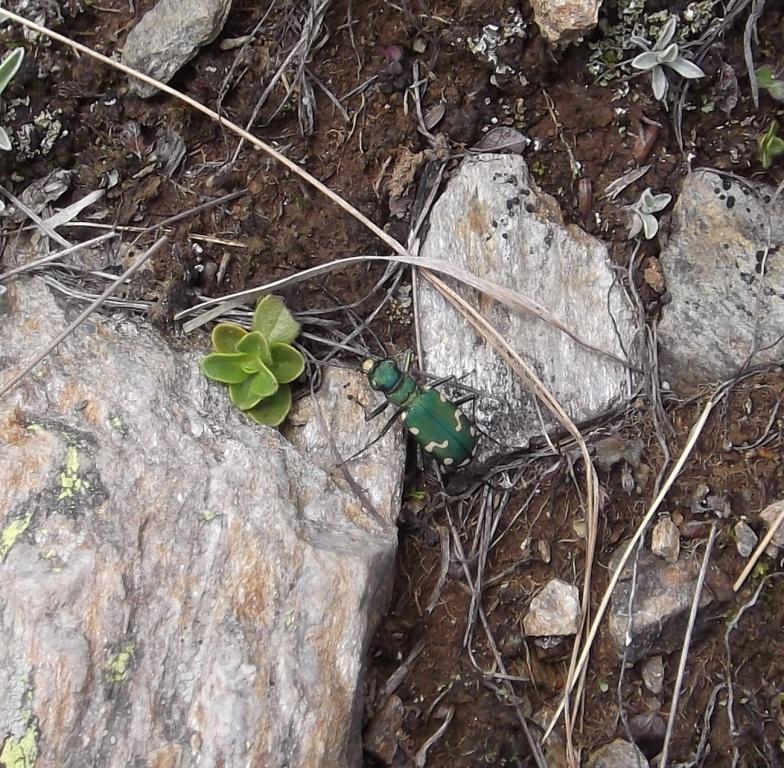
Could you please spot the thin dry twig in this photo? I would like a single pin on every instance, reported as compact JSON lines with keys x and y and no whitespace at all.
{"x":761,"y":547}
{"x":54,"y":256}
{"x":400,"y":674}
{"x":420,"y":759}
{"x":750,"y":30}
{"x":36,"y":219}
{"x":443,"y":571}
{"x":602,"y":609}
{"x":695,"y":604}
{"x":216,"y":307}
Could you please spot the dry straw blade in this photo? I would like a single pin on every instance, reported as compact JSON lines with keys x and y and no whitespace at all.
{"x":502,"y":294}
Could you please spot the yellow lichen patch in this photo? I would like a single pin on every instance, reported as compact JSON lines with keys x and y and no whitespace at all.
{"x":20,"y":753}
{"x":70,"y":481}
{"x":12,"y":532}
{"x":117,"y":665}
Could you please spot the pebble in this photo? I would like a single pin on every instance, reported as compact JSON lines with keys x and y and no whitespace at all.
{"x":554,"y":611}
{"x":653,"y":674}
{"x":666,"y":540}
{"x":745,"y":538}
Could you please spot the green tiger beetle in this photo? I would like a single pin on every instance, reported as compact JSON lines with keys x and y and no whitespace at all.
{"x":437,"y":424}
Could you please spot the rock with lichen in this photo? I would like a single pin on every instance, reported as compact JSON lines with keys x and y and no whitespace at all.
{"x":179,"y":585}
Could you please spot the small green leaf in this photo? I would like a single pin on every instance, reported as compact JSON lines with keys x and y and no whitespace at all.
{"x":772,"y":82}
{"x":645,"y":61}
{"x":273,"y":321}
{"x":287,"y":363}
{"x":10,"y":66}
{"x":770,"y":145}
{"x":256,"y":345}
{"x":248,"y":393}
{"x":272,"y":410}
{"x":226,"y":335}
{"x":226,"y":368}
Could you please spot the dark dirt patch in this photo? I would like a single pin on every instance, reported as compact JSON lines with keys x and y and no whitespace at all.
{"x":484,"y":730}
{"x":106,"y":136}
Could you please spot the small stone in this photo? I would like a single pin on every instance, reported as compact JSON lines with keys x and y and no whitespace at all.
{"x":769,"y":516}
{"x":653,"y":674}
{"x":617,"y":754}
{"x":745,"y":538}
{"x":554,"y":611}
{"x":564,"y":20}
{"x":383,"y":732}
{"x":666,"y":540}
{"x":169,"y":35}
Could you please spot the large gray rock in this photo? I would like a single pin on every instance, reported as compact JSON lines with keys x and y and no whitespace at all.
{"x":179,"y":586}
{"x":722,"y":307}
{"x":169,"y":36}
{"x":495,"y":222}
{"x":563,"y":20}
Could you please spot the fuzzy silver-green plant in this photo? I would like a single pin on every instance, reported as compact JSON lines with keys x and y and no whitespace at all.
{"x":258,"y":365}
{"x":9,"y":66}
{"x":642,"y":213}
{"x":664,"y":53}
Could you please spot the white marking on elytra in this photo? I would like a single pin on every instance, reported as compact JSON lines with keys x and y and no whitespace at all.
{"x":414,"y":431}
{"x":448,"y":461}
{"x":458,"y":420}
{"x":474,"y":449}
{"x":472,"y":430}
{"x":433,"y":445}
{"x":441,"y":395}
{"x":463,"y":463}
{"x":403,"y":416}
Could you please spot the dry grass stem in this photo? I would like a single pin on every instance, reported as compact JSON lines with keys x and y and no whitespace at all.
{"x":758,"y":552}
{"x":695,"y":604}
{"x":615,"y":578}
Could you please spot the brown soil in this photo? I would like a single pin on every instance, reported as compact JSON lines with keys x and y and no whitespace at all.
{"x":281,"y":226}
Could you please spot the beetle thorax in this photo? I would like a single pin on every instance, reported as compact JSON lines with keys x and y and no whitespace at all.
{"x":386,"y":377}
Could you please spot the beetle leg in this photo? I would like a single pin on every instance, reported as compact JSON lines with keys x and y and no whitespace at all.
{"x":406,"y":362}
{"x":376,"y":410}
{"x":466,"y":399}
{"x":381,"y":434}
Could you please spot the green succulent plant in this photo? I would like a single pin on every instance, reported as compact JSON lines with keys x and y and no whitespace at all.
{"x":258,"y":365}
{"x":771,"y":145}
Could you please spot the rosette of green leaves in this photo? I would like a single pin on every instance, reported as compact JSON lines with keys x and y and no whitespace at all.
{"x":258,"y":365}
